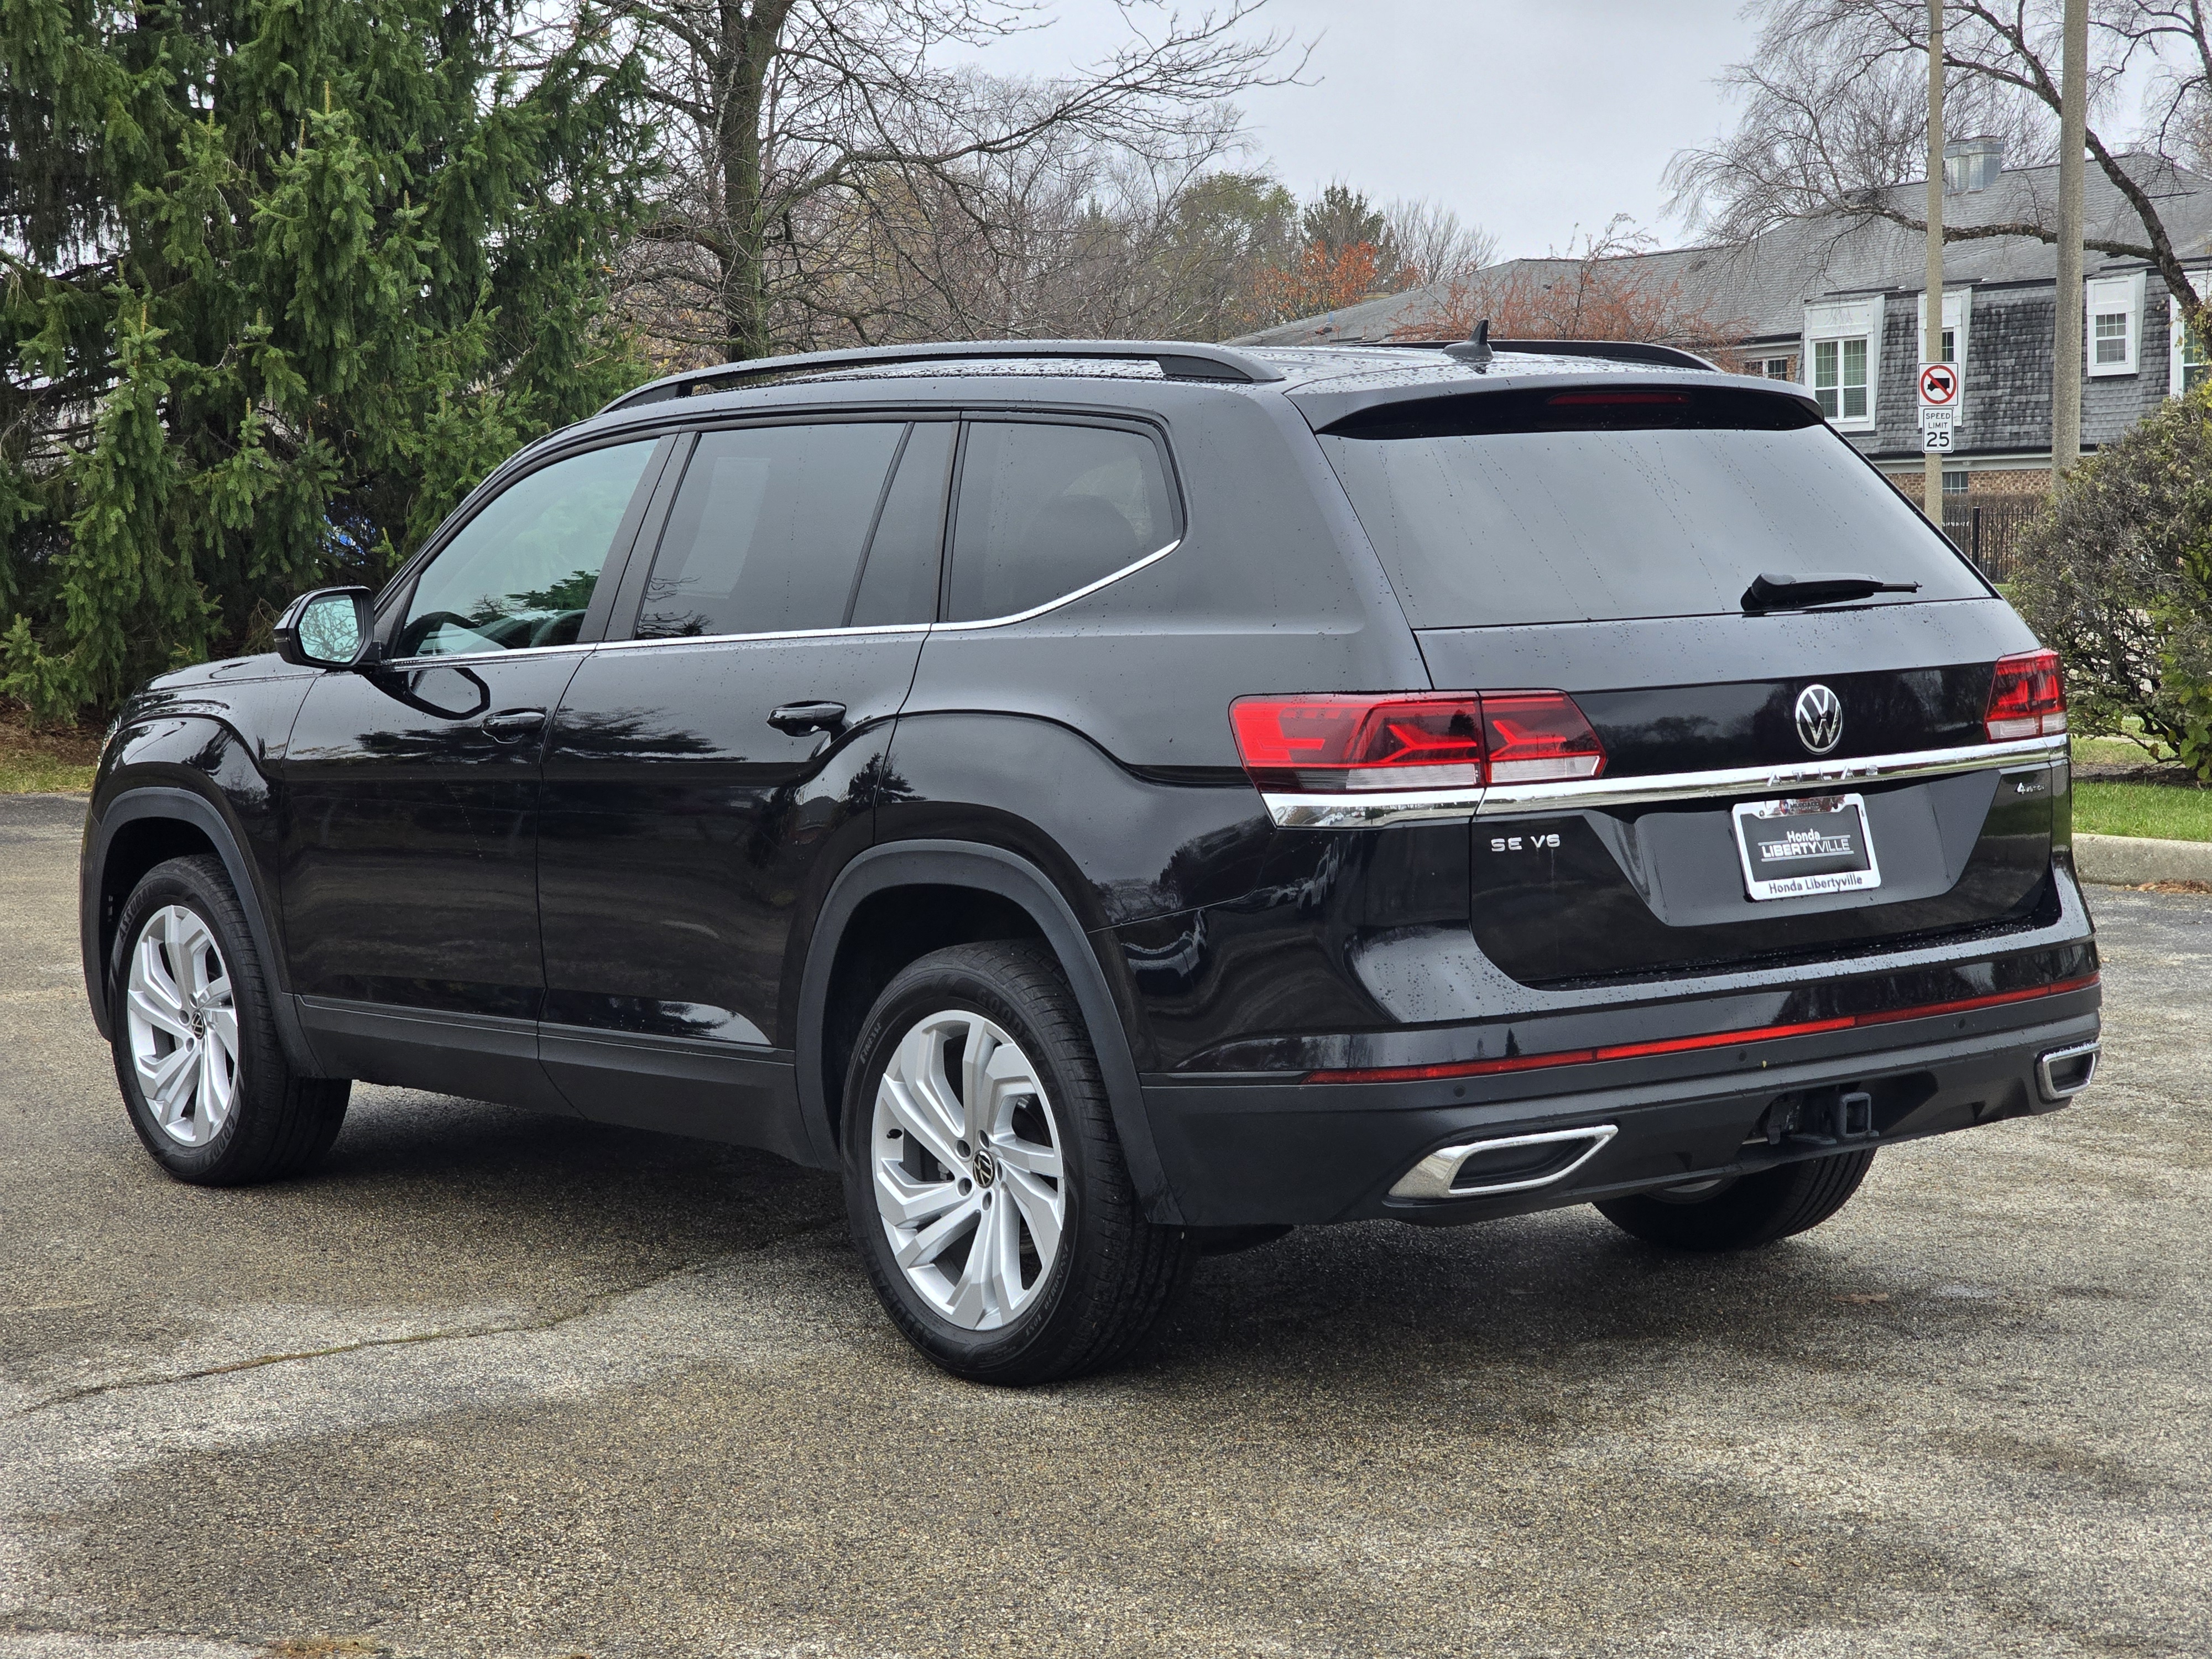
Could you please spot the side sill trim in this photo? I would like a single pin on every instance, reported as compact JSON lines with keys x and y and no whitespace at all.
{"x":1419,"y":806}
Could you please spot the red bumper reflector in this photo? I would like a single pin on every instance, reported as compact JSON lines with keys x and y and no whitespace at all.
{"x":1688,"y":1044}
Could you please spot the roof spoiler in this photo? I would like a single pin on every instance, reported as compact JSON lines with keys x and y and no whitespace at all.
{"x":1178,"y":360}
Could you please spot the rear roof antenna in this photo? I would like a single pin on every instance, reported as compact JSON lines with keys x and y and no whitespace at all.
{"x":1475,"y":350}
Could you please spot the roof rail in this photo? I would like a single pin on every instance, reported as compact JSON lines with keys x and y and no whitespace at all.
{"x":1619,"y":351}
{"x":1178,"y":360}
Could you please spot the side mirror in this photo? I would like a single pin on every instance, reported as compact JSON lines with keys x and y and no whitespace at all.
{"x":328,"y":628}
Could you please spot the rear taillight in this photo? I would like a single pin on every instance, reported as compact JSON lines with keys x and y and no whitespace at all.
{"x":1535,"y":737}
{"x":1427,"y":740}
{"x":2027,"y":698}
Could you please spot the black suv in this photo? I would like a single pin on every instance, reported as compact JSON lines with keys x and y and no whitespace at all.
{"x":1119,"y":800}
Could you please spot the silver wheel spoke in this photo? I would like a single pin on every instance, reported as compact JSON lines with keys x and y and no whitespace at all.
{"x":908,"y":1202}
{"x":992,"y":1183}
{"x":895,"y":1101}
{"x":222,"y":1026}
{"x":159,"y":1017}
{"x":926,"y":1245}
{"x":170,"y":1080}
{"x":1040,"y":1205}
{"x":978,"y":1097}
{"x":1026,"y":1155}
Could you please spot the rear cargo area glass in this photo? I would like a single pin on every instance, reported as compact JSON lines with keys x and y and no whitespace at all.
{"x":1494,"y":526}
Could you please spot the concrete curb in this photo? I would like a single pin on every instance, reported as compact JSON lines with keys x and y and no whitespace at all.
{"x":2131,"y":860}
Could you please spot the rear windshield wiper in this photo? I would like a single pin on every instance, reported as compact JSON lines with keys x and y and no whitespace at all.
{"x":1770,"y":590}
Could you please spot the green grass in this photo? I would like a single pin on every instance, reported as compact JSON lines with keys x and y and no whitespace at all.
{"x":52,"y":760}
{"x":29,"y":772}
{"x":2111,"y":752}
{"x":2165,"y":811}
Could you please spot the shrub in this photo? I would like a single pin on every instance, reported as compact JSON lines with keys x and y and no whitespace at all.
{"x":2117,"y":577}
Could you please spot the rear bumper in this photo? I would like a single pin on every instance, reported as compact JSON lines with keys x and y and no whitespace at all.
{"x":1249,"y":1151}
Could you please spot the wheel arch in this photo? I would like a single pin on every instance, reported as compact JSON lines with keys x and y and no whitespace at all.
{"x":1014,"y":894}
{"x":147,"y":824}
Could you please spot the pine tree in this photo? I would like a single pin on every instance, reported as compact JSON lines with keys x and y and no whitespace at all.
{"x":279,"y":280}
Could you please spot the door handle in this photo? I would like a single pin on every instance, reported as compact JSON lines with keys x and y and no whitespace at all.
{"x":515,"y":723}
{"x":795,"y":719}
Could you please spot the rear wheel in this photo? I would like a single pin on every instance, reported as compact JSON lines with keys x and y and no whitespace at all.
{"x":988,"y":1192}
{"x":203,"y":1075}
{"x":1745,"y":1212}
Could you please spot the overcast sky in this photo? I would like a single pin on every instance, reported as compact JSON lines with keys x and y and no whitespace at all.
{"x":1531,"y":117}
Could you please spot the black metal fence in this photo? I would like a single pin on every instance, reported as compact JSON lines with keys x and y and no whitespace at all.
{"x":1987,"y":529}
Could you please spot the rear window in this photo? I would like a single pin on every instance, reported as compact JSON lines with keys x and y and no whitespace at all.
{"x":1591,"y":505}
{"x":1045,"y":509}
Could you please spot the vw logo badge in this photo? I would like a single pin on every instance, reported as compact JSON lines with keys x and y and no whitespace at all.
{"x":986,"y":1167}
{"x":1819,"y":718}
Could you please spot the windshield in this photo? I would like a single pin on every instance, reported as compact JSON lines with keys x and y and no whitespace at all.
{"x":1532,"y":508}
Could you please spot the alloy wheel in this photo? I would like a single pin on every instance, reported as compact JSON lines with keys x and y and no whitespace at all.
{"x":964,"y":1158}
{"x":183,"y":1025}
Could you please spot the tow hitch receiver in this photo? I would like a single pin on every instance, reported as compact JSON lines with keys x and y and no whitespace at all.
{"x":1823,"y":1120}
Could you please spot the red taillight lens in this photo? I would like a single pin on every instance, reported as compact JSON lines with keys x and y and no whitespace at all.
{"x":1432,"y":740}
{"x":2027,"y":698}
{"x":1537,"y":737}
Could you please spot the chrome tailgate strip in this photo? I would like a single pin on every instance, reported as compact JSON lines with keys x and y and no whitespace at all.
{"x":1355,"y":811}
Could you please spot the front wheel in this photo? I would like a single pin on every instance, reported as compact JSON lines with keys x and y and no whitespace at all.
{"x":985,"y":1185}
{"x":1745,"y":1212}
{"x":202,"y":1073}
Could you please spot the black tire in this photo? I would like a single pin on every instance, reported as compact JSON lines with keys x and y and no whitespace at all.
{"x":1114,"y":1272}
{"x":279,"y":1123}
{"x":1747,"y":1213}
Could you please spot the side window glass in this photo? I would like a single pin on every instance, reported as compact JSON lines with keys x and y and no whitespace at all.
{"x":767,"y":529}
{"x":898,"y":584}
{"x":521,"y":573}
{"x":1046,"y":509}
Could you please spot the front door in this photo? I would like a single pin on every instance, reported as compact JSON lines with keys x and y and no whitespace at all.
{"x":702,"y":772}
{"x":411,"y":793}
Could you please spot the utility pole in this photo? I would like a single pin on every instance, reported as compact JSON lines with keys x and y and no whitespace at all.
{"x":1931,"y":350}
{"x":2073,"y":138}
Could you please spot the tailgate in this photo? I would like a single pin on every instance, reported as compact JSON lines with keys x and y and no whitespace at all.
{"x":1643,"y":869}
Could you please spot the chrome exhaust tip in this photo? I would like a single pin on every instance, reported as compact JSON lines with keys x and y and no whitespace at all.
{"x":1510,"y":1163}
{"x":2064,"y":1072}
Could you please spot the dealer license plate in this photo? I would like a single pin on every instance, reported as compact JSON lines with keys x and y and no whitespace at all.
{"x":1802,"y":849}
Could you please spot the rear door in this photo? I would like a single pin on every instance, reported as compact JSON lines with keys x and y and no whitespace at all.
{"x":720,"y":752}
{"x":1600,"y":541}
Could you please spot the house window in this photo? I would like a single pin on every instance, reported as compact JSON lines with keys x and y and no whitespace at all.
{"x":1775,"y":369}
{"x":2115,"y":307}
{"x":1954,"y":483}
{"x":1958,"y":305}
{"x":2193,"y":362}
{"x":1839,"y":379}
{"x":1842,"y":358}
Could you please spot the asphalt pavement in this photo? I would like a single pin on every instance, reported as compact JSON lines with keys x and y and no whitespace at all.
{"x":492,"y":1383}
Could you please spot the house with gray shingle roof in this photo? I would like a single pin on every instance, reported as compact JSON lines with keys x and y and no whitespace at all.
{"x":1836,"y":303}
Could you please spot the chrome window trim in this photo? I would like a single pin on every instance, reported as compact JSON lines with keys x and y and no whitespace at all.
{"x":892,"y":628}
{"x":749,"y":639}
{"x":485,"y":656}
{"x":1036,"y":610}
{"x":1353,"y":811}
